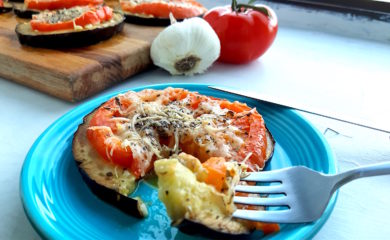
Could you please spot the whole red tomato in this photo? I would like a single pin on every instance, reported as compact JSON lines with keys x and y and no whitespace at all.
{"x":245,"y":31}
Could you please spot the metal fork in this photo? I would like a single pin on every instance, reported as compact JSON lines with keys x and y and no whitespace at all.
{"x":304,"y":193}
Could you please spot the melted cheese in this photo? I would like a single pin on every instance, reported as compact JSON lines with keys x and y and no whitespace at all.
{"x":150,"y":117}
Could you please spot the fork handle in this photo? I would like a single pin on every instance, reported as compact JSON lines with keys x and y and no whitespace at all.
{"x":361,"y":172}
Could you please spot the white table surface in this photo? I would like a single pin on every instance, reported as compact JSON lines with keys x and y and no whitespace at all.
{"x":327,"y":70}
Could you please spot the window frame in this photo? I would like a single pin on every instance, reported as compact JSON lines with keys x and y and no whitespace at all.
{"x":375,"y":9}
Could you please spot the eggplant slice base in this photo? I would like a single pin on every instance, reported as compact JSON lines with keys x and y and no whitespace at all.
{"x":69,"y":38}
{"x":110,"y":183}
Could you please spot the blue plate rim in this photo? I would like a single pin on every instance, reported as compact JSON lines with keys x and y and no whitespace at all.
{"x":48,"y":233}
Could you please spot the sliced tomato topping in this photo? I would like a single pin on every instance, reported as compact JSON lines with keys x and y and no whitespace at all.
{"x":47,"y":27}
{"x":104,"y":115}
{"x":177,"y":94}
{"x":256,"y":141}
{"x":59,"y":4}
{"x":108,"y":13}
{"x":1,"y":3}
{"x":101,"y":14}
{"x":109,"y":146}
{"x":92,"y":16}
{"x":179,"y":8}
{"x":253,"y":125}
{"x":236,"y":107}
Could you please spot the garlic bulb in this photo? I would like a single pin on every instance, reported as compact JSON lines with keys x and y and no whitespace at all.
{"x":187,"y":47}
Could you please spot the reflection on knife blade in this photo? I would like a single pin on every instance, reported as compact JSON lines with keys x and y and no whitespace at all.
{"x":301,"y":107}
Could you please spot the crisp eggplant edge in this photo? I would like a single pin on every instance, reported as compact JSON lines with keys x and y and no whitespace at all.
{"x":128,"y":205}
{"x":149,"y":21}
{"x":132,"y":206}
{"x":21,"y":12}
{"x":69,"y":39}
{"x":270,"y":145}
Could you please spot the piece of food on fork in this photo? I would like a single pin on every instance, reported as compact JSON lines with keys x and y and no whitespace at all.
{"x":199,"y":196}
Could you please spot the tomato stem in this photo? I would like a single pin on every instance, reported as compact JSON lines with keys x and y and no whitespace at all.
{"x":237,"y":7}
{"x":256,"y":8}
{"x":234,"y":5}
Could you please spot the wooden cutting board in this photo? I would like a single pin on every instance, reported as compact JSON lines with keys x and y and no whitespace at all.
{"x":74,"y":74}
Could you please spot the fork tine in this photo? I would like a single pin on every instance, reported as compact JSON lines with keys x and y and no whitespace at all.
{"x":279,"y":216}
{"x":262,"y":201}
{"x":260,"y":189}
{"x":267,"y":176}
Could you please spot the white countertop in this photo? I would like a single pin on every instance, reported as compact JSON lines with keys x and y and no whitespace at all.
{"x":333,"y":72}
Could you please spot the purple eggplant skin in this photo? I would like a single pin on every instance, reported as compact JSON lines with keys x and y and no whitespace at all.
{"x":146,"y":21}
{"x":270,"y":147}
{"x":6,"y":8}
{"x":125,"y":204}
{"x":26,"y":14}
{"x":22,"y":12}
{"x":149,"y":21}
{"x":69,"y":39}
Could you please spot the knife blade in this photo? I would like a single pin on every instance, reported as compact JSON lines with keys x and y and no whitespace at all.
{"x":305,"y":108}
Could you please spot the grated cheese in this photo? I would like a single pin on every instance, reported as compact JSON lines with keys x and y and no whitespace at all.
{"x":150,"y":117}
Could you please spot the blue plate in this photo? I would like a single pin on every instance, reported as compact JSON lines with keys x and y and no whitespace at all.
{"x":60,"y":206}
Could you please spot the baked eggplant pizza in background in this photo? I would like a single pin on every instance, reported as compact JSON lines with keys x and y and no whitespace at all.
{"x":5,"y":6}
{"x":156,"y":12}
{"x":31,"y":7}
{"x":198,"y":147}
{"x":73,"y":27}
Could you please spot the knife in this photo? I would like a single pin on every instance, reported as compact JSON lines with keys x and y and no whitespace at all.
{"x":304,"y":108}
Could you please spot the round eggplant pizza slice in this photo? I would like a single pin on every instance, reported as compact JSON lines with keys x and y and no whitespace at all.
{"x":73,"y":27}
{"x":193,"y":142}
{"x":156,"y":12}
{"x":31,"y":7}
{"x":5,"y":7}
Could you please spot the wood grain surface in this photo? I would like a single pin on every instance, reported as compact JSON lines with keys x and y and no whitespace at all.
{"x":74,"y":74}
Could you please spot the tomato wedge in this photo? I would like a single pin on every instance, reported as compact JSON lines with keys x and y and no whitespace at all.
{"x":81,"y":17}
{"x":59,"y":4}
{"x":216,"y":170}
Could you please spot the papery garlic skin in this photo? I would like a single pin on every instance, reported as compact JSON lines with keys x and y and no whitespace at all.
{"x":187,"y":47}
